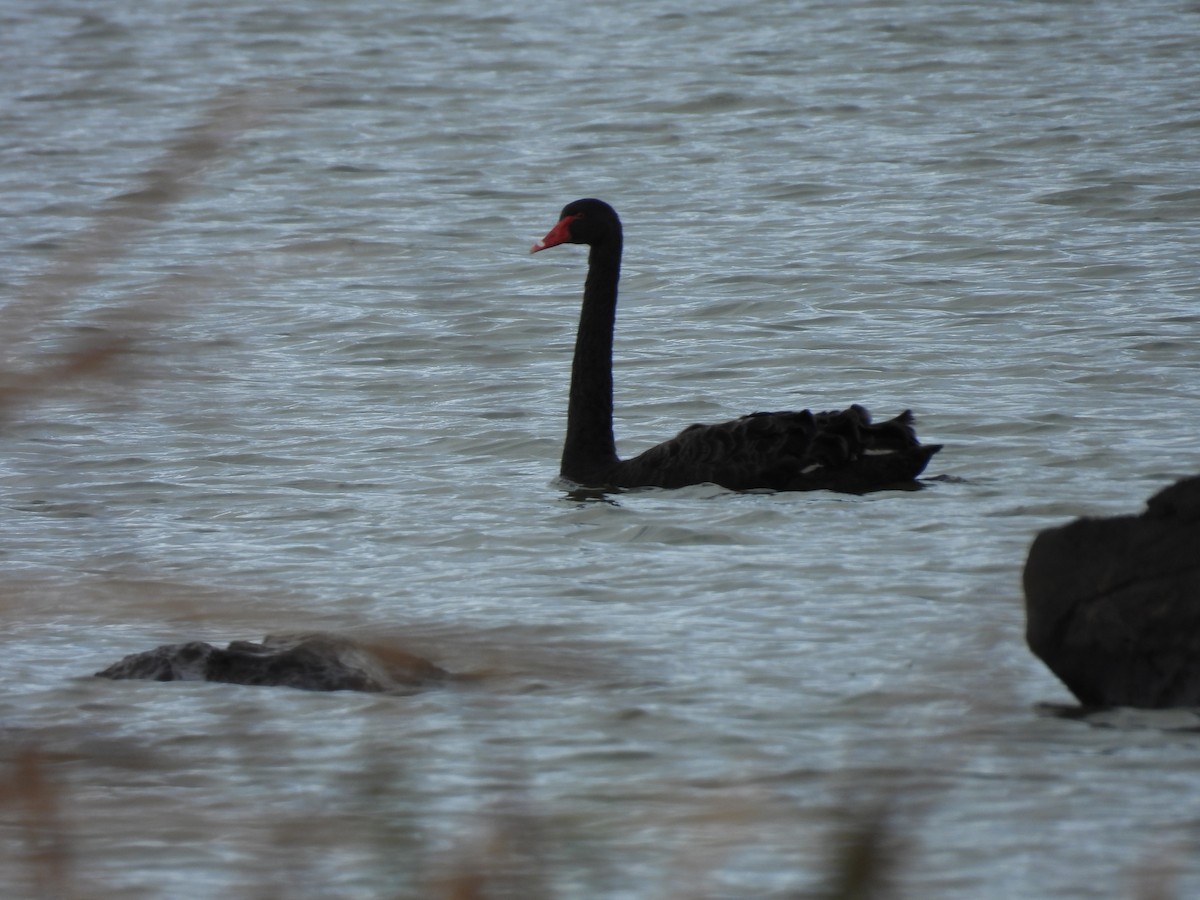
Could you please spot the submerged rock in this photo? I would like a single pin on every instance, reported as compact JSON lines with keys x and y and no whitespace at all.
{"x":1112,"y":605}
{"x":312,"y":662}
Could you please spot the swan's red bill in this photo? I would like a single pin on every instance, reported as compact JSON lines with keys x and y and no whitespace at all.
{"x":559,"y":234}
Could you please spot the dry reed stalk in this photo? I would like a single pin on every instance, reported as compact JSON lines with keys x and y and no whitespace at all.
{"x":1157,"y":876}
{"x":25,"y":374}
{"x":38,"y":805}
{"x":864,"y":864}
{"x":511,"y":860}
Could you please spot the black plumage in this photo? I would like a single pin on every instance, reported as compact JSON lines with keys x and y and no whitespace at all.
{"x":786,"y":451}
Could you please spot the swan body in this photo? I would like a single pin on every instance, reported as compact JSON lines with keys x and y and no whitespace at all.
{"x":784,"y":451}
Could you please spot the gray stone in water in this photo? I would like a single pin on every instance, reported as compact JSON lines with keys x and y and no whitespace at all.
{"x":313,"y":662}
{"x":1113,"y":605}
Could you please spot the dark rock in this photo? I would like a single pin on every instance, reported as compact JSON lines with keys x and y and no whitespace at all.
{"x":1112,"y":605}
{"x":313,"y":662}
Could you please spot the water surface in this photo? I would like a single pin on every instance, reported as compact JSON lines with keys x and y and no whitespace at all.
{"x":344,"y":401}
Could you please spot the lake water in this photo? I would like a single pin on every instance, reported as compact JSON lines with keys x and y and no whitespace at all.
{"x":344,"y":394}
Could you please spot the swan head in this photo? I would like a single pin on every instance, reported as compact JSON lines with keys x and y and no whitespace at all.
{"x":587,"y":221}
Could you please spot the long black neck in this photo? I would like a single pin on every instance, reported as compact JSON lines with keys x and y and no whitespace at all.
{"x":590,"y":450}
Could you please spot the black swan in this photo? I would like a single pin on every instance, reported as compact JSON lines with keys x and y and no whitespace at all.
{"x":783,"y":451}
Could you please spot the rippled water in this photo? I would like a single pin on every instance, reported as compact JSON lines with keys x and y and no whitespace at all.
{"x":346,"y":392}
